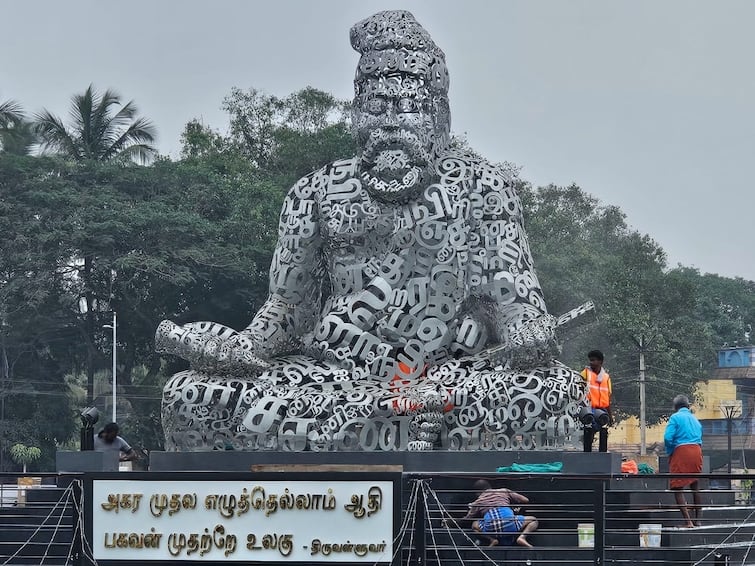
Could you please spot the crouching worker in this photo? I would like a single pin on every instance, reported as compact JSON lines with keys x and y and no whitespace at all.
{"x":496,"y":520}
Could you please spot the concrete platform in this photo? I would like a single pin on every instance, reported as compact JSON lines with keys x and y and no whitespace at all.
{"x":436,"y":461}
{"x":86,"y":461}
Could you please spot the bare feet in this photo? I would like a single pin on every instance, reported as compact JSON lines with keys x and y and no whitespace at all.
{"x":493,"y":542}
{"x":689,"y":525}
{"x":521,"y":541}
{"x":698,"y":516}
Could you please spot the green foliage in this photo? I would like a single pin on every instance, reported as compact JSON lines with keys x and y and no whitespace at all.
{"x":11,"y":112}
{"x":198,"y":140}
{"x":16,"y":133}
{"x":583,"y":251}
{"x":98,"y":131}
{"x":181,"y":240}
{"x":25,"y":455}
{"x":287,"y":138}
{"x":192,"y":240}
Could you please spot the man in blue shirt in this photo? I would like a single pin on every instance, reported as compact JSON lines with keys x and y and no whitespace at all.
{"x":683,"y":439}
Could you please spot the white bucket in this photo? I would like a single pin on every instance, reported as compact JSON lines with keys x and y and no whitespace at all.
{"x":650,"y":535}
{"x":586,"y":535}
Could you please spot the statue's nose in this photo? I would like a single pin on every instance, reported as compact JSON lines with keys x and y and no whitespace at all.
{"x":391,"y":117}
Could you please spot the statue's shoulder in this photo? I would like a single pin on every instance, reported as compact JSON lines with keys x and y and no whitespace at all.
{"x":491,"y":186}
{"x":466,"y":165}
{"x":318,"y":183}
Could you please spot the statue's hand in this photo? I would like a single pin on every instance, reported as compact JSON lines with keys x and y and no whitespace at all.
{"x":210,"y":347}
{"x":530,"y":344}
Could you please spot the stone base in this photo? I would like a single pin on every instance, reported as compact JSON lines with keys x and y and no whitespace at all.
{"x":86,"y":461}
{"x":435,"y":461}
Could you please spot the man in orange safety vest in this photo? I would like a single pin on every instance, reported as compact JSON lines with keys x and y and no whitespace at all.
{"x":599,"y":398}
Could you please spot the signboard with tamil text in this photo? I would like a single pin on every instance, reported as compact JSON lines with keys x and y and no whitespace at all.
{"x":246,"y":520}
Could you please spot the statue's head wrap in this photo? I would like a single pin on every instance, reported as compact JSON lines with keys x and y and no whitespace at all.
{"x":399,"y":58}
{"x":393,"y":42}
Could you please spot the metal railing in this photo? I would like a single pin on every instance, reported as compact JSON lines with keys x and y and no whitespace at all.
{"x":40,"y":519}
{"x":594,"y":520}
{"x":583,"y":520}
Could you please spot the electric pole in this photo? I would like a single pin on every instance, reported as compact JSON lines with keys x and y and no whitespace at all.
{"x":642,"y":346}
{"x":643,"y":449}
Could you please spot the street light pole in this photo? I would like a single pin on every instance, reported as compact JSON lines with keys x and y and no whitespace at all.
{"x":114,"y":327}
{"x":730,"y":409}
{"x":115,"y":359}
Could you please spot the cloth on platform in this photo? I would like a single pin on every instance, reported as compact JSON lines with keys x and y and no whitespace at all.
{"x":492,"y":499}
{"x":629,"y":467}
{"x":644,"y":468}
{"x":549,"y":468}
{"x":503,"y":524}
{"x":685,"y":459}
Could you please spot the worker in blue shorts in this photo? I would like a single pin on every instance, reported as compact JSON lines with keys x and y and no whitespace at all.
{"x":496,"y":519}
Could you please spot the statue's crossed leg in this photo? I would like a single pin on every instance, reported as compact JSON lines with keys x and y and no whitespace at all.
{"x":301,"y":404}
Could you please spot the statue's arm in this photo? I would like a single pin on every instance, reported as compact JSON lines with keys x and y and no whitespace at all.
{"x":503,"y":272}
{"x":289,"y":311}
{"x":297,"y":275}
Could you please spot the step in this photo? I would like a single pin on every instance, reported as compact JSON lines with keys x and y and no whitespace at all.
{"x":665,"y":497}
{"x":672,"y":517}
{"x":33,"y":551}
{"x":509,"y":555}
{"x":709,"y":535}
{"x":556,"y":556}
{"x":740,"y":554}
{"x":626,"y":534}
{"x":45,"y":494}
{"x":35,"y":534}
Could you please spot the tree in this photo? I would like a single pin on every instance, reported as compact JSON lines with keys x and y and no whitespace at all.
{"x":20,"y":140}
{"x":726,"y":304}
{"x":198,"y":140}
{"x":13,"y":126}
{"x":286,"y":138}
{"x":25,"y":455}
{"x":187,"y":240}
{"x":253,"y":118}
{"x":10,"y":113}
{"x":39,"y":344}
{"x":98,"y":131}
{"x":584,"y":250}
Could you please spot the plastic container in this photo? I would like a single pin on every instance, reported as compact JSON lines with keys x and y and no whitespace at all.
{"x":586,"y":535}
{"x":650,"y":535}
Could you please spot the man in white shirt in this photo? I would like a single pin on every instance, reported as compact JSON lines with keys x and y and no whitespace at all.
{"x":107,"y":440}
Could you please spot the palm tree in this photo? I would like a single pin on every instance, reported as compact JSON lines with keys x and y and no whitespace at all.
{"x":20,"y":139}
{"x":11,"y":117}
{"x":97,"y":132}
{"x":10,"y":113}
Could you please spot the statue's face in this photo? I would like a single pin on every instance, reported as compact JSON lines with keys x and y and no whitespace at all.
{"x":394,"y":124}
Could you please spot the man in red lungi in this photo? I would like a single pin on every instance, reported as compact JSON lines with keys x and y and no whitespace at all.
{"x":683,"y":439}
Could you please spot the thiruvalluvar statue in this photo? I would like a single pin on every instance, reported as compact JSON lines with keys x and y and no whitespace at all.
{"x":404,"y":312}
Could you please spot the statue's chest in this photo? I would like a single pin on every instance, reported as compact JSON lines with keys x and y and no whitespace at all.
{"x":359,"y":234}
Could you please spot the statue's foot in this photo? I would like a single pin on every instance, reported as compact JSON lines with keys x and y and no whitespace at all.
{"x":210,"y":347}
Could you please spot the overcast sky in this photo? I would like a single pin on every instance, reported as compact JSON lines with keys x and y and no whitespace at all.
{"x":647,"y":105}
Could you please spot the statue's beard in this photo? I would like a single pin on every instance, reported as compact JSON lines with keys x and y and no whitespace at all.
{"x":395,"y":162}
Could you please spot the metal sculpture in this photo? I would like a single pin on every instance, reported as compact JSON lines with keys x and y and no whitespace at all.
{"x":404,"y":310}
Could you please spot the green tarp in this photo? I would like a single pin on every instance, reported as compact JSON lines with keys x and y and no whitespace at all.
{"x":549,"y":468}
